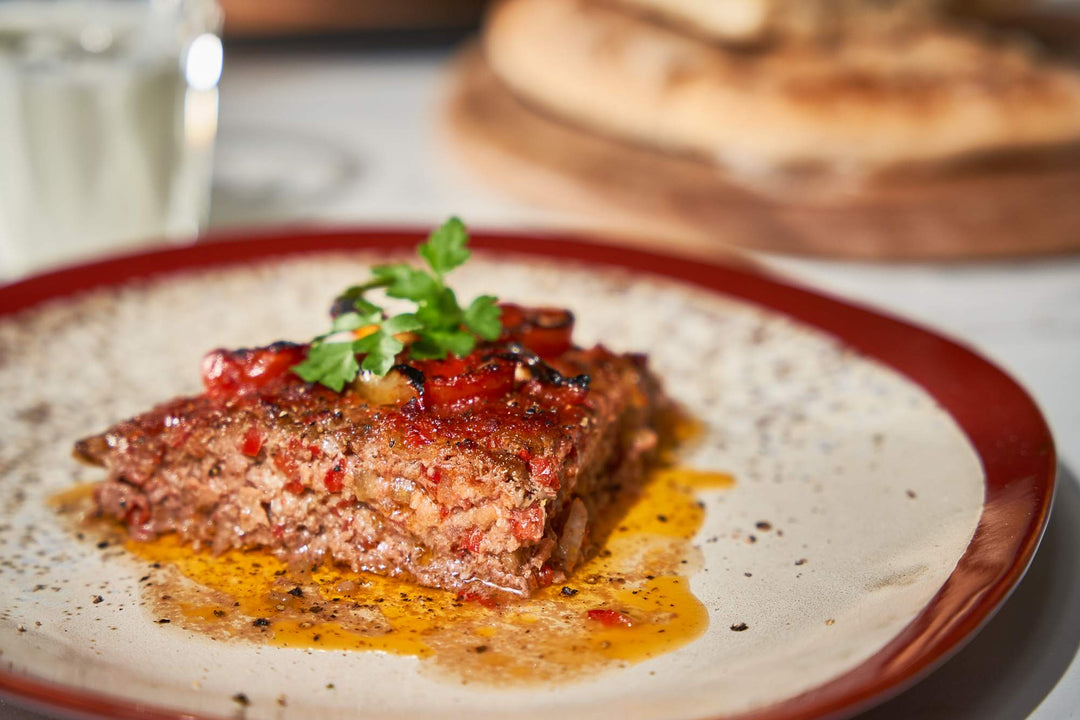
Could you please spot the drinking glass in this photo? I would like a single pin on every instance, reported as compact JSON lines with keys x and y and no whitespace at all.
{"x":108,"y":112}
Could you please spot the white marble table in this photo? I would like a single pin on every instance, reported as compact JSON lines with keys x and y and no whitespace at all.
{"x":349,"y":138}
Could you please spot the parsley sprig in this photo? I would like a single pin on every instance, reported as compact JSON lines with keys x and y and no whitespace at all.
{"x":440,"y":324}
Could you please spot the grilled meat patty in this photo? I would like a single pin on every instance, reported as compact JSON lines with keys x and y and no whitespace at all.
{"x":480,"y":474}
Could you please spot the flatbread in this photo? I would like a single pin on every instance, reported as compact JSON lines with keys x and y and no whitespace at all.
{"x":753,"y":21}
{"x":926,"y":95}
{"x":1010,"y":207}
{"x":750,"y":21}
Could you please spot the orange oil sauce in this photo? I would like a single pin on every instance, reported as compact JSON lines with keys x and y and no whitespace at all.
{"x":643,"y":572}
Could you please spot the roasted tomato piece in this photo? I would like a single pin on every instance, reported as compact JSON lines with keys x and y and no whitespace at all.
{"x":235,"y":372}
{"x":545,"y":331}
{"x":451,"y":381}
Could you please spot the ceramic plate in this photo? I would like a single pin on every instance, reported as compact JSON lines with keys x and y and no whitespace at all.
{"x":890,"y":485}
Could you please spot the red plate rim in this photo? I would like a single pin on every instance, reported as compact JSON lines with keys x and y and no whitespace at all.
{"x":1009,"y":435}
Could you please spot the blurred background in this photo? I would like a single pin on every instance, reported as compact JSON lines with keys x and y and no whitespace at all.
{"x":907,"y":129}
{"x":920,"y":156}
{"x":417,"y":112}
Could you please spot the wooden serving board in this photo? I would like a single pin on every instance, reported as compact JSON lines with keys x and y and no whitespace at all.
{"x":1027,"y":206}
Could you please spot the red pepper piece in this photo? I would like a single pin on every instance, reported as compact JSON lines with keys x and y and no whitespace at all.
{"x":252,"y":442}
{"x":528,"y":524}
{"x":227,"y":373}
{"x":443,"y":389}
{"x":450,"y":366}
{"x":545,"y":331}
{"x":485,"y":600}
{"x":511,"y":316}
{"x":334,"y":479}
{"x":285,"y":462}
{"x":543,"y":472}
{"x":472,"y":540}
{"x":138,"y":514}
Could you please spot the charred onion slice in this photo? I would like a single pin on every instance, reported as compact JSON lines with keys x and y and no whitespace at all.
{"x":573,"y":534}
{"x":397,"y":387}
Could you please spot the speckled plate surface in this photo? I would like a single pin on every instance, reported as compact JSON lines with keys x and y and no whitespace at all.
{"x":902,"y":483}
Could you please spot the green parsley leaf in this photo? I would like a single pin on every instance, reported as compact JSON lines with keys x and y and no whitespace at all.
{"x":445,"y":248}
{"x":482,"y":317}
{"x":355,"y":296}
{"x":352,"y":321}
{"x":371,"y":312}
{"x":401,"y":324}
{"x":426,"y":349}
{"x":458,"y":342}
{"x":332,"y":364}
{"x":381,"y":349}
{"x":440,"y":325}
{"x":405,"y":282}
{"x":441,"y":310}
